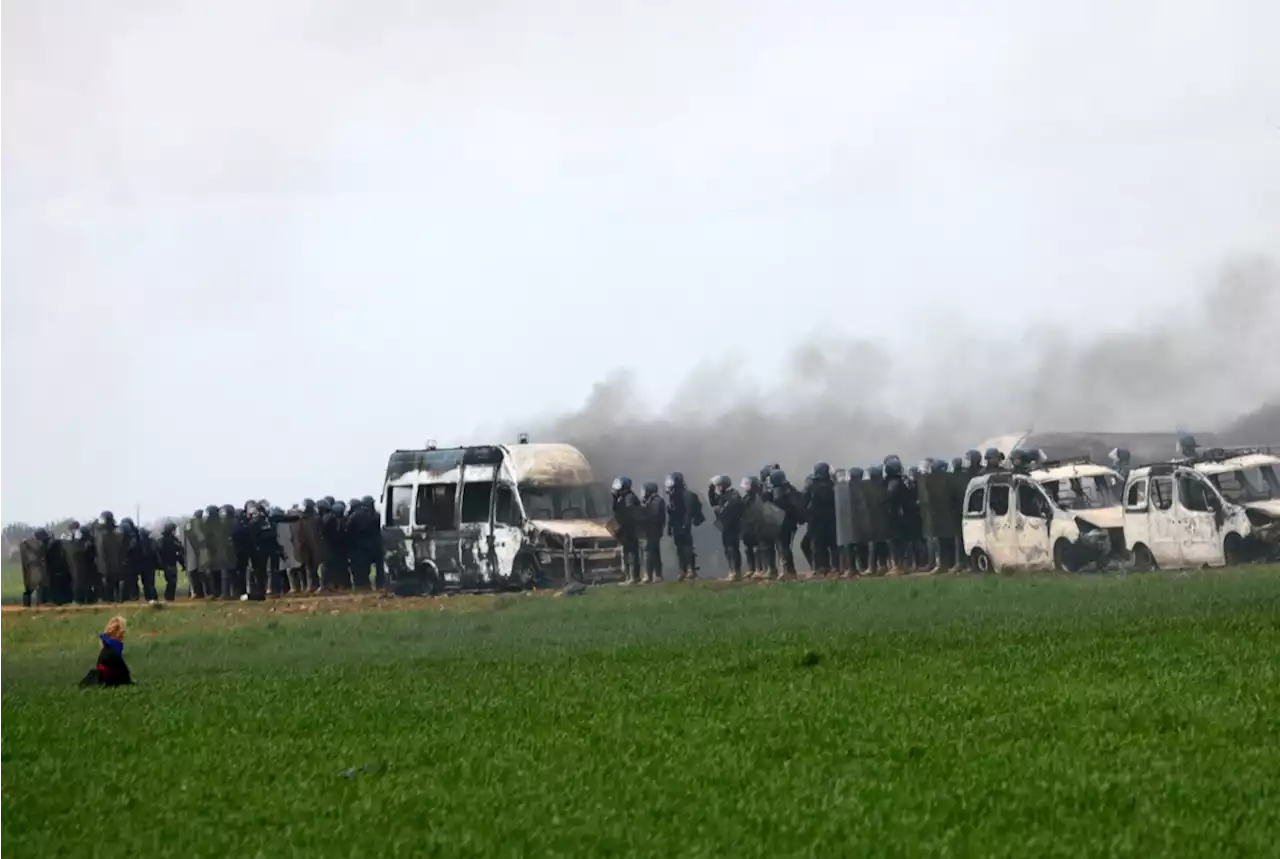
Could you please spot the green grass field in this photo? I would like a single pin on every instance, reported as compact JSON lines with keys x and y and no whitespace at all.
{"x":1061,"y":716}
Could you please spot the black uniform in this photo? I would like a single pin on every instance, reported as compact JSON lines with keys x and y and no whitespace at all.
{"x":655,"y":525}
{"x":140,"y":563}
{"x":171,"y":554}
{"x":365,"y":537}
{"x":626,"y":512}
{"x":790,"y":500}
{"x":242,"y":548}
{"x":729,"y":508}
{"x":820,"y":505}
{"x":684,"y":513}
{"x":335,"y":561}
{"x":264,"y":552}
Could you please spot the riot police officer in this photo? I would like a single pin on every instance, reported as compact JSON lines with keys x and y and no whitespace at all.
{"x":655,"y":525}
{"x":820,"y":507}
{"x":626,"y":512}
{"x":684,"y":513}
{"x":786,"y":497}
{"x":729,"y":507}
{"x":753,"y":543}
{"x":171,"y":554}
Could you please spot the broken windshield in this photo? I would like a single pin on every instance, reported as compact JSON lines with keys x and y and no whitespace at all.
{"x":1083,"y":493}
{"x":1248,"y":484}
{"x":565,"y":502}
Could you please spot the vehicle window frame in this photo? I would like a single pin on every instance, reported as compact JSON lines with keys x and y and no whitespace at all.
{"x":1037,"y":493}
{"x":388,"y":512}
{"x":1152,"y":503}
{"x":980,"y":493}
{"x":1008,"y":500}
{"x":488,"y":503}
{"x":427,"y":489}
{"x":1139,"y":483}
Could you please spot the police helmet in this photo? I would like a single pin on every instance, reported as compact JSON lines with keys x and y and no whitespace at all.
{"x":939,"y":466}
{"x":957,"y":463}
{"x":855,"y":472}
{"x":750,"y":483}
{"x":972,"y":457}
{"x":821,"y":469}
{"x":621,"y":484}
{"x":875,"y":472}
{"x":108,"y":518}
{"x":73,"y":526}
{"x":367,"y":501}
{"x":724,"y":482}
{"x":328,"y":499}
{"x":651,"y":487}
{"x":339,"y":507}
{"x":677,"y":478}
{"x":1120,"y":456}
{"x":42,"y":535}
{"x":892,"y":466}
{"x":169,"y":528}
{"x":777,"y":478}
{"x":126,"y":524}
{"x":994,"y":453}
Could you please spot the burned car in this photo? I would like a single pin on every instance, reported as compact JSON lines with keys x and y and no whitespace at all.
{"x":495,"y":517}
{"x":1175,"y":516}
{"x":1061,"y":516}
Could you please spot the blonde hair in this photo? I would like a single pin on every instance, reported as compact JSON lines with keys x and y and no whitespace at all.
{"x":115,"y":628}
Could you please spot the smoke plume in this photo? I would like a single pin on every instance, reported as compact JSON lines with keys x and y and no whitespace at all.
{"x":1194,"y":365}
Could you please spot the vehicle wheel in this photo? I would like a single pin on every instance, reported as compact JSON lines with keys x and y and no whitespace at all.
{"x":981,"y":561}
{"x":1143,"y":560}
{"x":525,"y":573}
{"x":1062,"y":559}
{"x":1233,"y":551}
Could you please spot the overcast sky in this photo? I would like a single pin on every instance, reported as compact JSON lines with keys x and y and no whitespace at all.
{"x":251,"y":247}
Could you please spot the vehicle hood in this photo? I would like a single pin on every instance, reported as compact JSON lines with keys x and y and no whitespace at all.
{"x":578,"y":529}
{"x":1103,"y":517}
{"x":1271,"y":508}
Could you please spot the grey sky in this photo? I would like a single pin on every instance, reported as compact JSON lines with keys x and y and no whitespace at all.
{"x":251,"y":247}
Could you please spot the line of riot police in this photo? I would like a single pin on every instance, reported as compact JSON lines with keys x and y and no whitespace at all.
{"x":886,"y":519}
{"x":248,"y":552}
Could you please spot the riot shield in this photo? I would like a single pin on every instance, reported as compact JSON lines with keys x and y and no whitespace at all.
{"x":770,"y":519}
{"x":959,"y":484}
{"x":876,"y":499}
{"x":936,"y":505}
{"x":844,"y":513}
{"x":33,"y":567}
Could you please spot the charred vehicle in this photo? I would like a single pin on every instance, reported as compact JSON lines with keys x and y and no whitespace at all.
{"x":1248,"y":477}
{"x":495,"y":517}
{"x":1175,"y":515}
{"x":1060,"y":516}
{"x":1144,"y":447}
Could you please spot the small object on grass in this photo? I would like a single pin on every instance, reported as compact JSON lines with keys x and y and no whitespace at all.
{"x":573,"y":589}
{"x":810,"y":659}
{"x":367,"y":769}
{"x":244,"y":597}
{"x":156,"y":604}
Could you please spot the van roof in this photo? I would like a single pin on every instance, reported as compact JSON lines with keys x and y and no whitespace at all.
{"x":1248,"y":460}
{"x":547,"y":464}
{"x":1079,"y":469}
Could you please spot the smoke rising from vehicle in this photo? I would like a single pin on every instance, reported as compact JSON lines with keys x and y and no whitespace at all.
{"x":850,"y":401}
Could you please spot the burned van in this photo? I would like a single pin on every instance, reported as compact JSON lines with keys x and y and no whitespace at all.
{"x":495,"y":517}
{"x":1052,"y":519}
{"x":1175,"y":516}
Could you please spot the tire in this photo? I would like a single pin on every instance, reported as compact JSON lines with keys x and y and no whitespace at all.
{"x":1143,"y":560}
{"x":1062,"y":557}
{"x":981,"y":562}
{"x":1233,"y":551}
{"x":525,"y":574}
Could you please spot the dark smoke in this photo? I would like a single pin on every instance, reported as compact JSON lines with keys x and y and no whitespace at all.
{"x":1185,"y":364}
